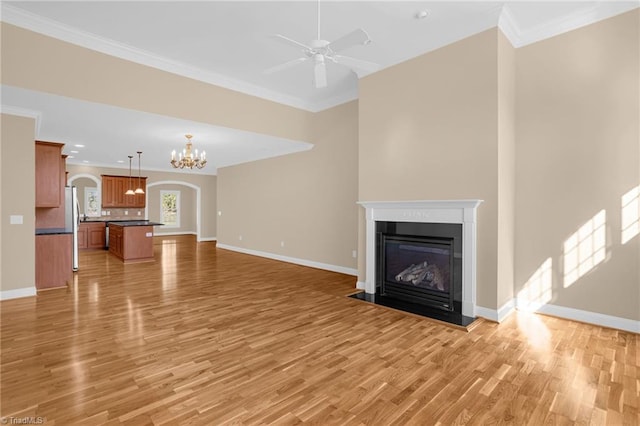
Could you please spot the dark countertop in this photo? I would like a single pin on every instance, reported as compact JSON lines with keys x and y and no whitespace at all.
{"x":90,"y":219}
{"x":53,"y":231}
{"x":123,"y":222}
{"x":135,"y":223}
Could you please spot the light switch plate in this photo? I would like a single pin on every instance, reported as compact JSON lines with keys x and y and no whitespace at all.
{"x":16,"y":219}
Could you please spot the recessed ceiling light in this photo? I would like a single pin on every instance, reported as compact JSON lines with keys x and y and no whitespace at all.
{"x":85,"y":161}
{"x":74,"y":152}
{"x":71,"y":156}
{"x":120,"y":161}
{"x":422,"y":14}
{"x":79,"y":146}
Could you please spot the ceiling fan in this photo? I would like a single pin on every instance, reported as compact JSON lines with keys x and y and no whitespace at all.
{"x":320,"y":51}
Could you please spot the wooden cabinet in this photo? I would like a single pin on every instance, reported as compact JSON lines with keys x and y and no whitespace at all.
{"x":91,"y":235}
{"x":139,"y":200}
{"x":53,"y":260}
{"x":50,"y":172}
{"x":114,"y":189}
{"x":115,"y":240}
{"x":131,"y":243}
{"x":82,"y":237}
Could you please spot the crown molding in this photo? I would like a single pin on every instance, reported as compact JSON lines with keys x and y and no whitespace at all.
{"x":506,"y":23}
{"x":54,"y":29}
{"x":600,"y":11}
{"x":211,"y":171}
{"x":509,"y":27}
{"x":24,"y":112}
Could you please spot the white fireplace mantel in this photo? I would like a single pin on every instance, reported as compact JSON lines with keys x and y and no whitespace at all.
{"x":428,"y":211}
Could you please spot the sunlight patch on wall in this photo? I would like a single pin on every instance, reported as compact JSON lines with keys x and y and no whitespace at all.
{"x":537,"y":290}
{"x":630,"y":214}
{"x":585,"y":248}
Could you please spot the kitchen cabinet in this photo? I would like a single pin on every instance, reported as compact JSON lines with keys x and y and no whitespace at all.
{"x":53,"y":260}
{"x":91,"y":235}
{"x":50,"y":171}
{"x":115,"y":240}
{"x":114,"y":188}
{"x":140,"y":200}
{"x":132,"y":241}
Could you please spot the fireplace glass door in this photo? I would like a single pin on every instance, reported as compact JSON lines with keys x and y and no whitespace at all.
{"x":418,"y":269}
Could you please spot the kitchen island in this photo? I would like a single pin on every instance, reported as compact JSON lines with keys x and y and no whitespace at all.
{"x":132,"y":241}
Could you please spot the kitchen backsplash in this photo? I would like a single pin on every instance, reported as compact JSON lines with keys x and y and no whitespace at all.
{"x":119,"y":214}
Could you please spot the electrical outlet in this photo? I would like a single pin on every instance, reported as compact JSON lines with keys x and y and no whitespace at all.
{"x":219,"y":212}
{"x":139,"y":213}
{"x":354,"y":254}
{"x":240,"y":237}
{"x":126,"y":212}
{"x":281,"y":243}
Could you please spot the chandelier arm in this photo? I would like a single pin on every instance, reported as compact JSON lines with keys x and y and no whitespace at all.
{"x":186,"y":158}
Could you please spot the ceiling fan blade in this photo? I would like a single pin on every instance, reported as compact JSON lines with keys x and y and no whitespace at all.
{"x":320,"y":74}
{"x":354,"y":38}
{"x":290,"y":42}
{"x":285,"y":65}
{"x":356,"y":63}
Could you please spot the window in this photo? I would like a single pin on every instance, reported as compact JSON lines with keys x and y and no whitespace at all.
{"x":91,"y":202}
{"x":170,"y":208}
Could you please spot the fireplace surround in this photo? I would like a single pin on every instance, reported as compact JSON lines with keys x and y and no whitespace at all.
{"x":383,"y":216}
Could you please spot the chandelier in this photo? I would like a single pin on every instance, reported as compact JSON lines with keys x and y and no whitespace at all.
{"x":187,"y":158}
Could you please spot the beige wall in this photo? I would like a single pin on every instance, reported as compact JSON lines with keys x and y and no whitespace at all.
{"x":18,"y":252}
{"x":81,"y":73}
{"x":578,"y":151}
{"x":187,"y":208}
{"x":429,"y":131}
{"x":506,"y":170}
{"x":81,"y":184}
{"x":308,"y":199}
{"x":547,"y":135}
{"x":206,"y":183}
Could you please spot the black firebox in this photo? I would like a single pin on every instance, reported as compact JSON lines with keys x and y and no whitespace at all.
{"x":420,"y":263}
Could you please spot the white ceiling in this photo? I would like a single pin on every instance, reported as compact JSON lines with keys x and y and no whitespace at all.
{"x":230,"y":44}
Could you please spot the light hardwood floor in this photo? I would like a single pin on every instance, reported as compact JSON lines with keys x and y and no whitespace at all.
{"x":208,"y":336}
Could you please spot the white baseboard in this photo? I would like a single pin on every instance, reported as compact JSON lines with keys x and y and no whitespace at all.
{"x":303,"y":262}
{"x":497,"y":315}
{"x":588,"y":317}
{"x":561,"y":312}
{"x":18,"y":293}
{"x":170,"y":234}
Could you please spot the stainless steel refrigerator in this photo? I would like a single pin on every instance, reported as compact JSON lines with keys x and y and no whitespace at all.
{"x":72,"y":220}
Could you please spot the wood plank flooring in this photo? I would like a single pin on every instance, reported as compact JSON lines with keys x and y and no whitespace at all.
{"x":205,"y":336}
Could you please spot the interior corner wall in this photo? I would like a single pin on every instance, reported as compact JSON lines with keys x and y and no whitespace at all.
{"x":302,"y":205}
{"x":577,"y":154}
{"x":506,"y":171}
{"x":18,"y":241}
{"x":429,"y":131}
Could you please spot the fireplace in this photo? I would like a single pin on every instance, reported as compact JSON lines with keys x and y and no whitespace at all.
{"x":420,"y":263}
{"x":422,"y":253}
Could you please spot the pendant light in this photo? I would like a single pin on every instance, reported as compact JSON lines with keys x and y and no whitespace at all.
{"x":139,"y":189}
{"x":130,"y":191}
